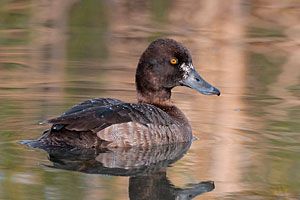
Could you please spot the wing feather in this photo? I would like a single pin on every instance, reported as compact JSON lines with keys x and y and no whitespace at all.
{"x":95,"y":118}
{"x":96,"y":102}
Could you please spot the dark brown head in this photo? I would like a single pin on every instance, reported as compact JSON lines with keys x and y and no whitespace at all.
{"x":164,"y":65}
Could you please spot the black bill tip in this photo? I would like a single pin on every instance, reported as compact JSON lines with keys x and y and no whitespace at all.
{"x":216,"y":91}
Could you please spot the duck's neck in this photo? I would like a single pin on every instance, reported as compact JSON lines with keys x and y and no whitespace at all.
{"x":160,"y":97}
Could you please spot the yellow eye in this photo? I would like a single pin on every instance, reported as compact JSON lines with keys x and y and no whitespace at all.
{"x":174,"y":61}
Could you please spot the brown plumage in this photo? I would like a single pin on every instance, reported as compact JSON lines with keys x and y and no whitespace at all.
{"x":119,"y":125}
{"x":106,"y":123}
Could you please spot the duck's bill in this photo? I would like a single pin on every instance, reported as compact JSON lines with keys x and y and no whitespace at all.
{"x":196,"y":82}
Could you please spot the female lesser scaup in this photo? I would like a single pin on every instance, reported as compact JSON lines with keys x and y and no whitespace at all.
{"x":106,"y":122}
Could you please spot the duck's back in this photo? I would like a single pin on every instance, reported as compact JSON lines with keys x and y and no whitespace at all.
{"x":101,"y":123}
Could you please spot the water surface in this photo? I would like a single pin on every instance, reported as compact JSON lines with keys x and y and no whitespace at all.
{"x":54,"y":54}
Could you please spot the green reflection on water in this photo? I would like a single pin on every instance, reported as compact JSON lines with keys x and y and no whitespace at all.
{"x":12,"y":66}
{"x":279,"y":139}
{"x":88,"y":26}
{"x":295,"y":89}
{"x":14,"y":23}
{"x":263,"y":70}
{"x":160,"y":10}
{"x":8,"y":110}
{"x":265,"y":32}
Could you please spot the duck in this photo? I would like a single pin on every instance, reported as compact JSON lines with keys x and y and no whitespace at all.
{"x":153,"y":120}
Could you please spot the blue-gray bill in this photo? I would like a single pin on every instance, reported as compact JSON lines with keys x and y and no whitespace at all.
{"x":196,"y":82}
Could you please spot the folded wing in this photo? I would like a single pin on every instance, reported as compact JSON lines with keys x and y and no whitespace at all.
{"x":120,"y":124}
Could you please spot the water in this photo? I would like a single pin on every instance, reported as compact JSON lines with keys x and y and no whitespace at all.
{"x":54,"y":54}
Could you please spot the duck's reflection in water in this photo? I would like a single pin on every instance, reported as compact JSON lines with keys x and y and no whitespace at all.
{"x":146,"y":168}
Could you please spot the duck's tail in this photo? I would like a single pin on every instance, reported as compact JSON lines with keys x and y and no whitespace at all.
{"x":38,"y":143}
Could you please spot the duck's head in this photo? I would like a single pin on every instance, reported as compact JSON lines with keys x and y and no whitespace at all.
{"x":164,"y":65}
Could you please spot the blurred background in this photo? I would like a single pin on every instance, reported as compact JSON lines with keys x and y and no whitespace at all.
{"x":56,"y":53}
